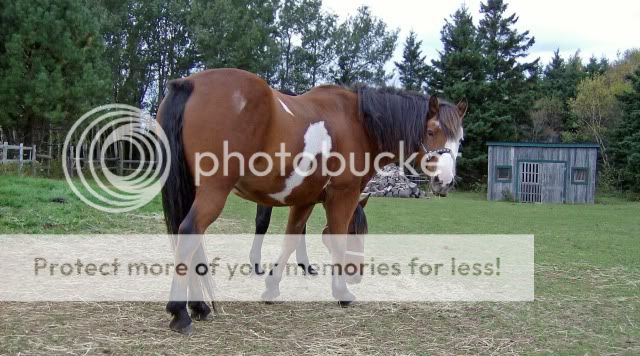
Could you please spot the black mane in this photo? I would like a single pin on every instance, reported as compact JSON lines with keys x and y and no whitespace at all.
{"x":391,"y":115}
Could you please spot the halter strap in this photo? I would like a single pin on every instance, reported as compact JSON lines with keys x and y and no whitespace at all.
{"x":431,"y":154}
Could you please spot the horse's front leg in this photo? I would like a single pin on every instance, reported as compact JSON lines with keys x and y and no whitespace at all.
{"x":298,"y":216}
{"x":339,"y":207}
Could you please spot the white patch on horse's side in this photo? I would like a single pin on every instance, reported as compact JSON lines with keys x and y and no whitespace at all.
{"x":286,"y":108}
{"x":446,"y":167}
{"x":316,"y":141}
{"x":239,"y":100}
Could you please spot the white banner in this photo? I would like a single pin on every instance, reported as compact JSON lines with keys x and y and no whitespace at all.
{"x":141,"y":268}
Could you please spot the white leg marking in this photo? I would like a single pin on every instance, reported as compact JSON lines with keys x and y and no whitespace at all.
{"x":239,"y":101}
{"x":316,"y":140}
{"x":286,"y":108}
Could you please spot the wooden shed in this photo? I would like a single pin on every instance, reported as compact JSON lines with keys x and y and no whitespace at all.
{"x":542,"y":172}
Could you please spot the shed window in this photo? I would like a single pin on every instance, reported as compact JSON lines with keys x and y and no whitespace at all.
{"x":503,"y":173}
{"x":579,"y":176}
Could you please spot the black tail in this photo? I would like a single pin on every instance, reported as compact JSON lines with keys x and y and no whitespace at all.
{"x":178,"y":191}
{"x":360,"y":225}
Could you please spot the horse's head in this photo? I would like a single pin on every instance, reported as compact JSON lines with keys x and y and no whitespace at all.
{"x":442,"y":139}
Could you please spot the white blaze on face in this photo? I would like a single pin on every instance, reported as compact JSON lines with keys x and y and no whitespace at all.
{"x":285,"y":107}
{"x":446,"y":167}
{"x":316,"y":141}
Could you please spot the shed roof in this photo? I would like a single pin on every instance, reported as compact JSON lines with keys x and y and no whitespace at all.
{"x":541,"y":144}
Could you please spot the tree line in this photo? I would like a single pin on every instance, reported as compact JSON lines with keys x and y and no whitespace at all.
{"x":515,"y":99}
{"x":61,"y":58}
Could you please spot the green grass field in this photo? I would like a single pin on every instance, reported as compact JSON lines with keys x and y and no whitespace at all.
{"x":587,"y":285}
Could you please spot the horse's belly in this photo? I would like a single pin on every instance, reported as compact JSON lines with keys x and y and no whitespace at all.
{"x":279,"y":191}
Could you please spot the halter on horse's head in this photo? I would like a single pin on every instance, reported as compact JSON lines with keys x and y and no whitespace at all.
{"x":441,"y":143}
{"x":430,"y":127}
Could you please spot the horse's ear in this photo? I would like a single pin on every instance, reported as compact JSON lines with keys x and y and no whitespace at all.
{"x":462,"y":107}
{"x":434,"y":106}
{"x":363,"y":200}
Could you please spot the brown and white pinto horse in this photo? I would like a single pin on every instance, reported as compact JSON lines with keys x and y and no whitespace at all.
{"x":230,"y":110}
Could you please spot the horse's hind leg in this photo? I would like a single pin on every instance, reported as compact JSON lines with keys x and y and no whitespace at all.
{"x":302,"y":257}
{"x":197,"y":303}
{"x":298,"y":216}
{"x":263,"y":218}
{"x":205,"y":209}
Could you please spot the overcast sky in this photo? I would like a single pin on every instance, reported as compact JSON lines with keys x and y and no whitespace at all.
{"x":600,"y":28}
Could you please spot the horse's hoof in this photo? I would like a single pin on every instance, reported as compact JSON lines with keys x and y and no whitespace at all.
{"x":180,"y":326}
{"x":270,"y":295}
{"x":200,"y":311}
{"x":345,"y":303}
{"x":201,"y":316}
{"x":344,"y":298}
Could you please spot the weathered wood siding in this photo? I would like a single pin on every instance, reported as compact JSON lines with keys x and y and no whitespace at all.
{"x":556,"y":165}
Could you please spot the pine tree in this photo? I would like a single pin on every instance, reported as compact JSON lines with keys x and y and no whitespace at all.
{"x":626,"y":144}
{"x":499,"y":108}
{"x":412,"y":69}
{"x":596,"y":67}
{"x":554,"y":73}
{"x":559,"y":82}
{"x":51,"y":71}
{"x":511,"y":81}
{"x":458,"y":72}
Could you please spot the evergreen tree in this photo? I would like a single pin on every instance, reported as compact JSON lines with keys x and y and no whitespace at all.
{"x":554,"y":77}
{"x":626,"y":144}
{"x":511,"y":80}
{"x":363,"y":45}
{"x":506,"y":93}
{"x":51,"y":71}
{"x":412,"y":69}
{"x":458,"y":71}
{"x":596,"y":67}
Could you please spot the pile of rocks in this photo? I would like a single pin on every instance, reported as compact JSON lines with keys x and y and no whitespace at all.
{"x":392,"y":183}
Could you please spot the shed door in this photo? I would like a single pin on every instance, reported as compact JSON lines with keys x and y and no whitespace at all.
{"x":552,"y":180}
{"x":530,"y":182}
{"x":542,"y":182}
